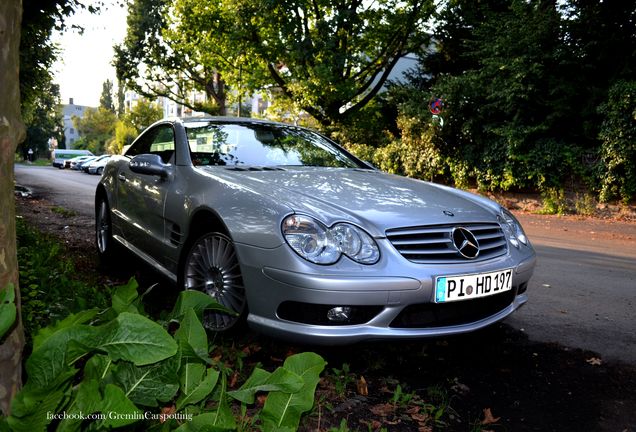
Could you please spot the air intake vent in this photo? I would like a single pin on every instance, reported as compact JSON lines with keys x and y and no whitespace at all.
{"x":175,"y":235}
{"x":434,"y":244}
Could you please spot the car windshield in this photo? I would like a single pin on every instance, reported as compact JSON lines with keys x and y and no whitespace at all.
{"x":251,"y":144}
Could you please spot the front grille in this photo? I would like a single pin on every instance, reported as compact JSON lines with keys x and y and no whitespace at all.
{"x":427,"y":315}
{"x":434,"y":243}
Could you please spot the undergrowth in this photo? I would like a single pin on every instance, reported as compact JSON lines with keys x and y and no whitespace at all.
{"x":48,"y":286}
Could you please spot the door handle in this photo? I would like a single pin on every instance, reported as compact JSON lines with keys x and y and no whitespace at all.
{"x":121,"y":177}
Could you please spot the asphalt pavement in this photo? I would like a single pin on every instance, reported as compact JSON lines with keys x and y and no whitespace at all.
{"x":582,"y":294}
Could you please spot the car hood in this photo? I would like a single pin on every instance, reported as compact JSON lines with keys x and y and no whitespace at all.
{"x":372,"y":199}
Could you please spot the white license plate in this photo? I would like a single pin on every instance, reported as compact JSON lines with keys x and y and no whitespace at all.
{"x":465,"y":287}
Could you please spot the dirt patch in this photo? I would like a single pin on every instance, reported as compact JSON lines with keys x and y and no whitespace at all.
{"x":496,"y":379}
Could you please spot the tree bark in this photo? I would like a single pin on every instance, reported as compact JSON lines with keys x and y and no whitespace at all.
{"x":11,"y":133}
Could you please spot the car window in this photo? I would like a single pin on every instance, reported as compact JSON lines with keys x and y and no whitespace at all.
{"x":263,"y":145}
{"x":158,"y":140}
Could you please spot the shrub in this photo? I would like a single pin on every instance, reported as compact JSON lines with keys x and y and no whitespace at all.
{"x":618,"y":136}
{"x":117,"y":368}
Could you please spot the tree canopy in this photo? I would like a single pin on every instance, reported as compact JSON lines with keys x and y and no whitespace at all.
{"x":530,"y":91}
{"x":327,"y":57}
{"x":106,"y":99}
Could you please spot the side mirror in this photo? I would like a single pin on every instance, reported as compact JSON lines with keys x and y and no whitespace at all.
{"x":150,"y":164}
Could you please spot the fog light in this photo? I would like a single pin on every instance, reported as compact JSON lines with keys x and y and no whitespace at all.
{"x":339,"y":314}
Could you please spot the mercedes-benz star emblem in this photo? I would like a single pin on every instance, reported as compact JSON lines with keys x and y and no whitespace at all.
{"x":465,"y":243}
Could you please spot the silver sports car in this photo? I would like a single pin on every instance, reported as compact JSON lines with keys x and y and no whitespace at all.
{"x":304,"y":240}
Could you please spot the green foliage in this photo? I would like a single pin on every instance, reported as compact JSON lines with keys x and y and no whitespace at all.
{"x":125,"y":134}
{"x":96,"y":128}
{"x":160,"y":57}
{"x":327,"y":58}
{"x":618,"y":137}
{"x":132,"y":123}
{"x":8,"y":311}
{"x":585,"y":204}
{"x":342,"y":379}
{"x":48,"y":286}
{"x":143,"y":114}
{"x":63,"y":211}
{"x":106,"y":98}
{"x":39,"y":95}
{"x":118,"y":368}
{"x":525,"y":92}
{"x":554,"y":202}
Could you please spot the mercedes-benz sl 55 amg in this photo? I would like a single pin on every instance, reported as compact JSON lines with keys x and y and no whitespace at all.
{"x":304,"y":240}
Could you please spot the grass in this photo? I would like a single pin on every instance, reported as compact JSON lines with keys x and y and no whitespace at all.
{"x":49,"y":286}
{"x":63,"y":211}
{"x":37,"y":162}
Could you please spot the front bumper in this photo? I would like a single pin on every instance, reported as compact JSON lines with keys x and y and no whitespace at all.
{"x":392,"y":298}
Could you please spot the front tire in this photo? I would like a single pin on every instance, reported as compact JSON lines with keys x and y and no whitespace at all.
{"x":211,"y":266}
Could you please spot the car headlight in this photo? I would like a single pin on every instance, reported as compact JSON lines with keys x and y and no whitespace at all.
{"x":323,"y":245}
{"x":512,"y":228}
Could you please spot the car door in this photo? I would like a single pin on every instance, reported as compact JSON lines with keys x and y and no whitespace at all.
{"x":141,"y":197}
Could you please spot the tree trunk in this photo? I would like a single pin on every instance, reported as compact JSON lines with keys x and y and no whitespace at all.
{"x":11,"y":133}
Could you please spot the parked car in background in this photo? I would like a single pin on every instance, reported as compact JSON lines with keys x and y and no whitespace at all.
{"x":305,"y":241}
{"x":97,"y":166}
{"x":82,"y":164}
{"x":72,"y":163}
{"x":60,"y":156}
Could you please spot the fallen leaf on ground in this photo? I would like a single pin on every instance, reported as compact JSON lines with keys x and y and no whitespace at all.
{"x":594,"y":361}
{"x":363,"y":389}
{"x":234,"y":379}
{"x":371,"y":425}
{"x":421,"y":418}
{"x":383,"y":409}
{"x":413,"y":410}
{"x":168,"y":410}
{"x":488,"y":417}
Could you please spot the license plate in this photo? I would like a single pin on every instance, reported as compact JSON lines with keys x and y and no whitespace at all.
{"x":465,"y":287}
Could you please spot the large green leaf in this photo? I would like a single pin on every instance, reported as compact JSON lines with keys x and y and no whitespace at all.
{"x":192,"y":338}
{"x":282,"y":380}
{"x":97,"y":367}
{"x":87,"y":400}
{"x":124,"y":411}
{"x":151,"y":384}
{"x":31,"y":412}
{"x":71,"y":320}
{"x":50,"y":361}
{"x":198,"y":301}
{"x":220,"y":420}
{"x":283,"y":410}
{"x":8,"y":311}
{"x":196,"y":393}
{"x":136,"y":339}
{"x":124,"y":297}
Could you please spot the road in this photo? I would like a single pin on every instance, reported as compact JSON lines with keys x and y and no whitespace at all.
{"x":582,"y":295}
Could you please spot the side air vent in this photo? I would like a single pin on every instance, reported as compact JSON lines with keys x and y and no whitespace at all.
{"x":175,"y":235}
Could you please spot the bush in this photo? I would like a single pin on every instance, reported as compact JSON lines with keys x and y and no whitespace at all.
{"x":117,"y":368}
{"x":618,"y":136}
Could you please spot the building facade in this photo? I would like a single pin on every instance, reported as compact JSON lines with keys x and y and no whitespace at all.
{"x":71,"y":135}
